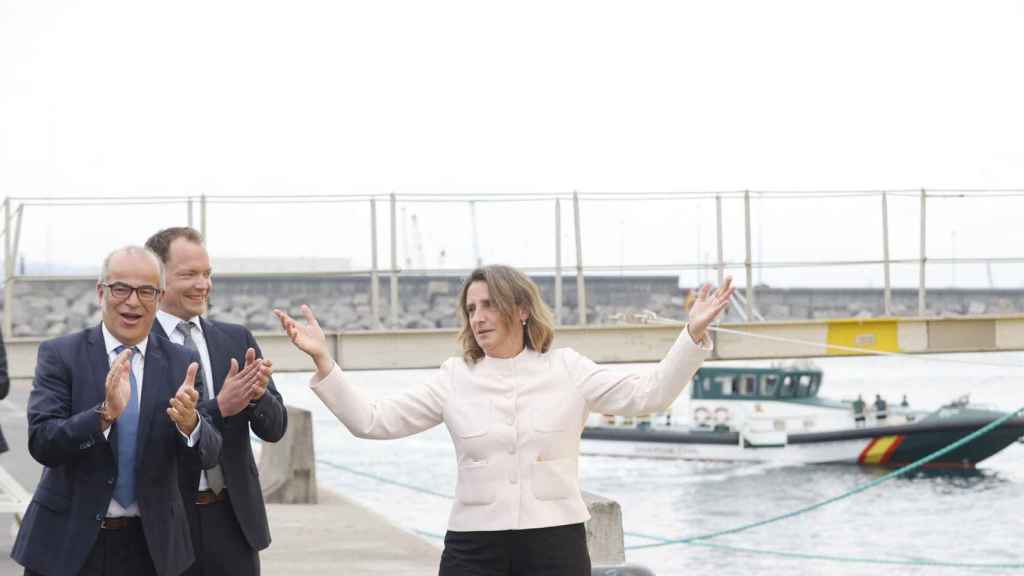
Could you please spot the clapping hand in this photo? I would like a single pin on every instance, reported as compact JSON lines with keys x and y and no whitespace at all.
{"x":266,"y":369}
{"x":243,"y":386}
{"x":118,"y":389}
{"x":182,"y":409}
{"x":707,"y":307}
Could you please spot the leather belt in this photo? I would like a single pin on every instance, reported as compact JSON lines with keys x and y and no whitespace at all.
{"x":204,"y":497}
{"x":120,"y":523}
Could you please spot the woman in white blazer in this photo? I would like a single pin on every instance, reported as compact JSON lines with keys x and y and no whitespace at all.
{"x":515,"y":409}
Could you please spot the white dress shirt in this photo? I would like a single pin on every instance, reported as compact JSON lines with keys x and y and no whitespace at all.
{"x":516,"y":424}
{"x":138,"y":366}
{"x":169,"y":323}
{"x":138,"y":362}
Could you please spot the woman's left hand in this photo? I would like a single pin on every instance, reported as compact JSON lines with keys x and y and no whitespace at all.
{"x":707,"y":307}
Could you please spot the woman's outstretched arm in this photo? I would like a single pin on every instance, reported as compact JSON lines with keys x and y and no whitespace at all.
{"x":614,"y":392}
{"x":395,"y":416}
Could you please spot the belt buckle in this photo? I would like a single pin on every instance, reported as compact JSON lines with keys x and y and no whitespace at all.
{"x":114,"y":523}
{"x":204,"y":497}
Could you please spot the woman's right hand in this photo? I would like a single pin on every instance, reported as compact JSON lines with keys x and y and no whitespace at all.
{"x":309,"y":338}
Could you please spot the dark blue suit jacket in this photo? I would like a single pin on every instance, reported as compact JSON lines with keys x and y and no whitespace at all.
{"x":268,"y":418}
{"x":63,"y":520}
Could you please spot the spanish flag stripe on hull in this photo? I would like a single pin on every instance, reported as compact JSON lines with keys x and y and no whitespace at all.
{"x":880,"y":450}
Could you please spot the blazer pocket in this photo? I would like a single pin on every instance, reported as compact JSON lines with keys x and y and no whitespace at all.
{"x":51,"y":500}
{"x":554,"y":479}
{"x":474,"y":486}
{"x":471,"y":419}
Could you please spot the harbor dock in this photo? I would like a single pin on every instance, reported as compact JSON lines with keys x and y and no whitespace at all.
{"x":335,"y":536}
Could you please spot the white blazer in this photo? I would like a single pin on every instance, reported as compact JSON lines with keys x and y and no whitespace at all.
{"x":516,"y":424}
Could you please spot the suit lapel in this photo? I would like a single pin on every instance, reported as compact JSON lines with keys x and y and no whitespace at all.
{"x":215,"y":345}
{"x":158,"y":329}
{"x":155,"y":394}
{"x":99,"y":363}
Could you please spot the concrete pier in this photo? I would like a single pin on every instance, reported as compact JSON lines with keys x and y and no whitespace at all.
{"x":335,"y":536}
{"x":339,"y":536}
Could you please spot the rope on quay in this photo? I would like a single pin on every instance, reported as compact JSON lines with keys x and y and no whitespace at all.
{"x":383,"y":480}
{"x":863,"y":487}
{"x":701,"y":539}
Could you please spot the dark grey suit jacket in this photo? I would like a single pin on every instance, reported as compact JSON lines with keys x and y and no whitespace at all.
{"x":267,"y":418}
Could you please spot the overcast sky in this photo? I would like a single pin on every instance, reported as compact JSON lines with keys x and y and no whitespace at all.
{"x":252,"y":98}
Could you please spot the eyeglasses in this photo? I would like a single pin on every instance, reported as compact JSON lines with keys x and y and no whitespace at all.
{"x":122,"y":291}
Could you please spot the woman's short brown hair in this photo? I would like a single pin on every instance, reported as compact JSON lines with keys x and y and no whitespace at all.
{"x":510,"y":290}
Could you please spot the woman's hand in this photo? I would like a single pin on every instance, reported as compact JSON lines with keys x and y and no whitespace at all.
{"x":309,"y":338}
{"x":707,"y":307}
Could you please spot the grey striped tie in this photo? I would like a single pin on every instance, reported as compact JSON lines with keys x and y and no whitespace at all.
{"x":214,"y":476}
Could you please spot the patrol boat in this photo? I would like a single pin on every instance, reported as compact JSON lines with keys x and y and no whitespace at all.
{"x":776,"y":415}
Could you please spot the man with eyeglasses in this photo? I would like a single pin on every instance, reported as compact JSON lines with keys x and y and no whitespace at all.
{"x":112,"y":416}
{"x":224,"y":504}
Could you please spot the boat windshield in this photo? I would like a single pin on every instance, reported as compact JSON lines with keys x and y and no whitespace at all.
{"x":755,"y":384}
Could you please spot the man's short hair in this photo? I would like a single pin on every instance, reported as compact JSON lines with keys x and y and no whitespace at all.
{"x":127,"y":251}
{"x":160,"y":243}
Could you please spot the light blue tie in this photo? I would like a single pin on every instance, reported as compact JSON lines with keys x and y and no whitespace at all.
{"x":127,"y":432}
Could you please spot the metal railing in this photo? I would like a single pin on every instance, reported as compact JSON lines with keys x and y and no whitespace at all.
{"x":196,"y":209}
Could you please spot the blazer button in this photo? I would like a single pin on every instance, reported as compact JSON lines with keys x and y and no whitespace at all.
{"x":110,"y":481}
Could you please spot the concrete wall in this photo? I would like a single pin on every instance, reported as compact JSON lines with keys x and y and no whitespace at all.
{"x":428,"y":302}
{"x":397,"y":349}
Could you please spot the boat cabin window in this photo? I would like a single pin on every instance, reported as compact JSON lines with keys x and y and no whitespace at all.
{"x":788,"y":386}
{"x":748,"y":385}
{"x":725,"y":384}
{"x":803,"y":385}
{"x":815,"y":384}
{"x":756,"y":384}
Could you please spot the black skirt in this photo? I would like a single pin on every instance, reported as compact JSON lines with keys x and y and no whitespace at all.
{"x":553,"y":551}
